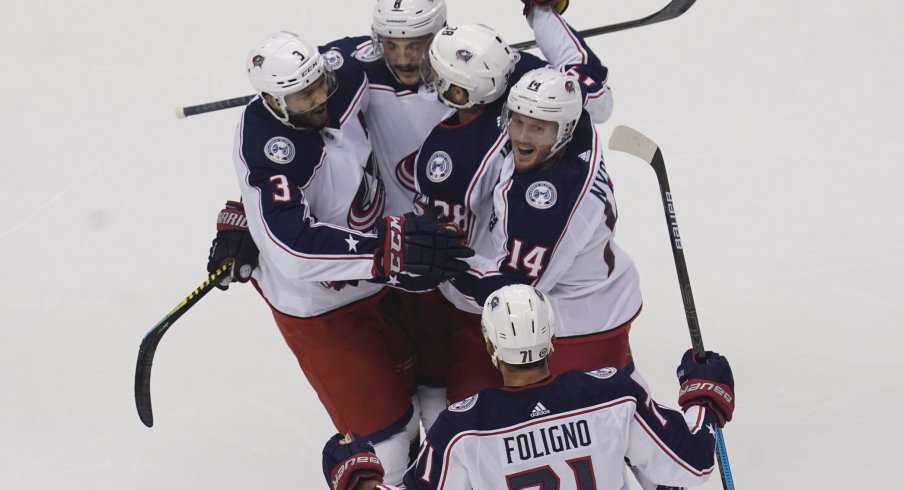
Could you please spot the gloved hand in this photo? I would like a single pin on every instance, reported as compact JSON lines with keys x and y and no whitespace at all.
{"x":708,"y":383}
{"x":558,"y":5}
{"x":233,"y":244}
{"x":419,"y":245}
{"x":349,"y":460}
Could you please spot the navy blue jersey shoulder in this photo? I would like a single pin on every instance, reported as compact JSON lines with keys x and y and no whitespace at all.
{"x":541,"y":202}
{"x":270,"y":147}
{"x":351,"y":80}
{"x":525,"y":63}
{"x":452,"y":154}
{"x":498,"y":408}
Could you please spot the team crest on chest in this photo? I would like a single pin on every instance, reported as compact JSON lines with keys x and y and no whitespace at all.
{"x":280,"y":150}
{"x":541,"y":195}
{"x":333,"y":59}
{"x":463,"y":405}
{"x":439,"y":166}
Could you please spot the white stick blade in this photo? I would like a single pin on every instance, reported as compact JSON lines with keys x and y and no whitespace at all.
{"x":180,"y":113}
{"x":631,"y":141}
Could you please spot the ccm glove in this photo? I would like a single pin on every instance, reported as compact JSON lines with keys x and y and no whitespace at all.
{"x":560,"y":6}
{"x":349,"y":460}
{"x":707,"y":382}
{"x":233,"y":244}
{"x":419,"y":245}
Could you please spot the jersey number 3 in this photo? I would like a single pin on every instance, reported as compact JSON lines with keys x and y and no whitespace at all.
{"x":544,"y":478}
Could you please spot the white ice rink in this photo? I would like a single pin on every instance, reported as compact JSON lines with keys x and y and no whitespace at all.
{"x":781,"y":124}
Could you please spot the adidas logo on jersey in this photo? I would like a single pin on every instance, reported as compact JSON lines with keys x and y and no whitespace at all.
{"x":539,"y":410}
{"x":585,"y":156}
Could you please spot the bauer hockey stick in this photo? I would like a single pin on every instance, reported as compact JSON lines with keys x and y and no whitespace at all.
{"x":674,"y":9}
{"x":632,"y":141}
{"x":152,"y":339}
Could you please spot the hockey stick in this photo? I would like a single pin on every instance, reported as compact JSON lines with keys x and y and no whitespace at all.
{"x":631,"y":141}
{"x":674,"y":9}
{"x":152,"y":338}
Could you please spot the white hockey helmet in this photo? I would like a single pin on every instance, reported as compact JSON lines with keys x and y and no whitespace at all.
{"x":284,"y":64}
{"x":407,"y":18}
{"x":519,"y":322}
{"x":549,"y":95}
{"x":473,"y":57}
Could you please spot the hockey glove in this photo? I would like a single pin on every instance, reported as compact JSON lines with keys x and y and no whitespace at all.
{"x":560,"y":6}
{"x":233,"y":244}
{"x":419,"y":245}
{"x":708,"y":383}
{"x":349,"y":460}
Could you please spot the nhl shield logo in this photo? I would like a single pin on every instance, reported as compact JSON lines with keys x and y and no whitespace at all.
{"x":439,"y":167}
{"x":541,"y":195}
{"x":333,"y":59}
{"x":280,"y":150}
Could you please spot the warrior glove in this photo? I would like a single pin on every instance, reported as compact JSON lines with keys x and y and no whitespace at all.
{"x":233,"y":244}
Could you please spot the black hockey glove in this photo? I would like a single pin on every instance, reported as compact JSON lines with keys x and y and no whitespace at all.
{"x":233,"y":244}
{"x":349,"y":460}
{"x":708,"y":383}
{"x":419,"y":245}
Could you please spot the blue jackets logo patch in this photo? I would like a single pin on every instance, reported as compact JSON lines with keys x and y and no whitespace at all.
{"x":464,"y":405}
{"x":333,"y":59}
{"x":604,"y":373}
{"x":280,"y":150}
{"x":439,"y":167}
{"x":541,"y":195}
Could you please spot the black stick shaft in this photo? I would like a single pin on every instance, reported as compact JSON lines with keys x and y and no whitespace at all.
{"x":149,"y":345}
{"x":684,"y":282}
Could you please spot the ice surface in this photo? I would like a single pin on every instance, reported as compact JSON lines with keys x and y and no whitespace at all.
{"x":780,"y":123}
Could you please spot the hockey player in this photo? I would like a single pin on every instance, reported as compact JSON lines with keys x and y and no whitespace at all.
{"x":553,"y":223}
{"x":315,"y":210}
{"x":461,"y":160}
{"x":573,"y":430}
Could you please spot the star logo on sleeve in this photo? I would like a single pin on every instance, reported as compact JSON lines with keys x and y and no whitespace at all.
{"x":352,"y":243}
{"x":393,"y":280}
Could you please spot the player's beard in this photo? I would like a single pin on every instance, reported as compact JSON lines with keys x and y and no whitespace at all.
{"x":313,"y":120}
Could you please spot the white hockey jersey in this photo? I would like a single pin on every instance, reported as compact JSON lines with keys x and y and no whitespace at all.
{"x":312,"y":200}
{"x":554,"y":228}
{"x":574,"y":431}
{"x":399,"y":117}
